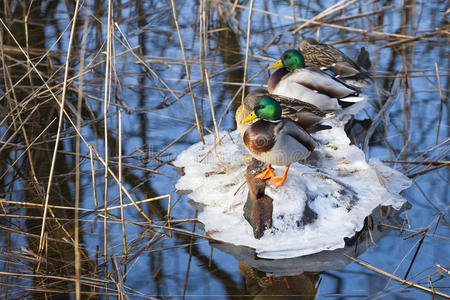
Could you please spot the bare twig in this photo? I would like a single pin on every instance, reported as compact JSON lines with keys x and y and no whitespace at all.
{"x":403,"y":281}
{"x":199,"y":128}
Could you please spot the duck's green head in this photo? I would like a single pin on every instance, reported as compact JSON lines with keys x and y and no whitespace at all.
{"x":266,"y":108}
{"x":291,"y":59}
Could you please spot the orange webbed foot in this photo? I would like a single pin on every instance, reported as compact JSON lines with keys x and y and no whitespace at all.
{"x":268,"y":173}
{"x":279,"y":180}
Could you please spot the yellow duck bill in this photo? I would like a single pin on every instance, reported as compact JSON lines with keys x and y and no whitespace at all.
{"x":250,"y":117}
{"x":276,"y":65}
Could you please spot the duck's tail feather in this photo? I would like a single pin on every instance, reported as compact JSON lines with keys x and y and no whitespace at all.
{"x":349,"y":107}
{"x":351,"y":99}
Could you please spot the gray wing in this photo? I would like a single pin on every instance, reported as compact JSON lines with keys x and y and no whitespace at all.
{"x":322,"y":82}
{"x":300,"y":135}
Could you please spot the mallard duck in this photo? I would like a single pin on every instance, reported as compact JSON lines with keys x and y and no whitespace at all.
{"x":326,"y":56}
{"x":310,"y":84}
{"x":275,"y":140}
{"x":304,"y":114}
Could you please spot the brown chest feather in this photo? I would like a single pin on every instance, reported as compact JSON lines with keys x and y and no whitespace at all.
{"x":260,"y":137}
{"x":275,"y":78}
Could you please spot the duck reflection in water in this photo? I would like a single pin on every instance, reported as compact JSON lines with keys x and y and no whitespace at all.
{"x":259,"y":285}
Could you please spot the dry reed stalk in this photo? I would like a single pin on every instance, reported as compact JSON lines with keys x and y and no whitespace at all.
{"x":119,"y":280}
{"x":423,"y":154}
{"x":427,"y":198}
{"x":37,"y":236}
{"x":424,"y":277}
{"x":143,"y":201}
{"x":106,"y":101}
{"x":324,"y":24}
{"x":67,"y":220}
{"x":187,"y":232}
{"x":332,"y":9}
{"x":26,"y":150}
{"x":122,"y":215}
{"x":31,"y":204}
{"x":402,"y":281}
{"x":47,"y":194}
{"x":9,"y":82}
{"x":155,"y":238}
{"x":235,"y":96}
{"x":63,"y":278}
{"x":175,"y":141}
{"x":78,"y":161}
{"x":387,"y":105}
{"x":361,"y":15}
{"x":27,"y":36}
{"x":153,"y":73}
{"x":442,"y":101}
{"x":28,"y":61}
{"x":293,"y":15}
{"x":444,"y":269}
{"x":424,"y":162}
{"x":11,"y":137}
{"x":93,"y":177}
{"x":122,"y":188}
{"x":202,"y":34}
{"x":247,"y":46}
{"x":169,"y":209}
{"x":424,"y":234}
{"x":191,"y":242}
{"x":427,"y":170}
{"x":212,"y":106}
{"x":186,"y":67}
{"x":213,"y":148}
{"x":178,"y":61}
{"x":54,"y":97}
{"x":70,"y":80}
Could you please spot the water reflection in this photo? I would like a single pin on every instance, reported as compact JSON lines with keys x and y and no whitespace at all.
{"x":302,"y":286}
{"x":300,"y":276}
{"x":376,"y":226}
